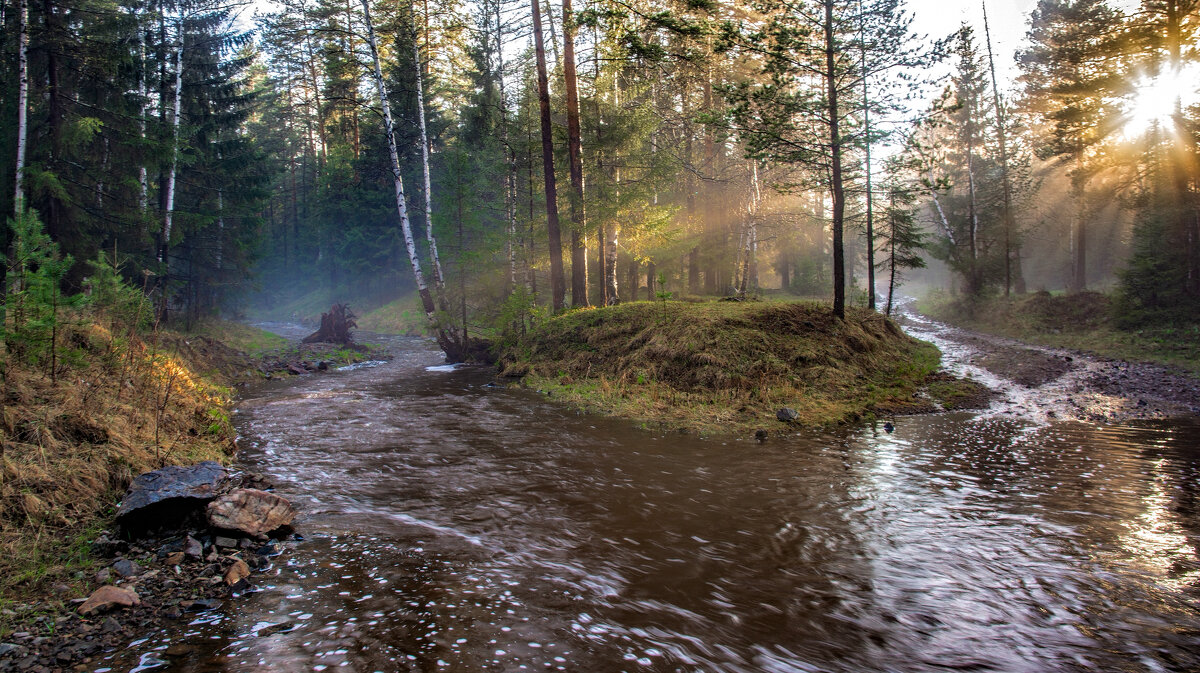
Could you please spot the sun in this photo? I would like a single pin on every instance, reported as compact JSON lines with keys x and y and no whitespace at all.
{"x":1154,"y":102}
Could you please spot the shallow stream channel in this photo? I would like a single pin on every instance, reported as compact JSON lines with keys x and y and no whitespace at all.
{"x":451,"y":524}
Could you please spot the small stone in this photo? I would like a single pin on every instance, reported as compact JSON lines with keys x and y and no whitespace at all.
{"x":103,"y":576}
{"x":108,"y":597}
{"x":175,"y":559}
{"x":9,"y":648}
{"x":202,"y":604}
{"x":126,"y":568}
{"x":246,"y":543}
{"x":787,"y":415}
{"x":237,"y":572}
{"x":227,"y":542}
{"x":179,"y":650}
{"x":760,"y":435}
{"x":193,"y":548}
{"x":272,"y":629}
{"x":61,"y":588}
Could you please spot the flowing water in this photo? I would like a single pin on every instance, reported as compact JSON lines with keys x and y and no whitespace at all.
{"x":452,"y":525}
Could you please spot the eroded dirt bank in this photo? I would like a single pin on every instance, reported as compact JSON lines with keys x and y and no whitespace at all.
{"x":1044,"y":384}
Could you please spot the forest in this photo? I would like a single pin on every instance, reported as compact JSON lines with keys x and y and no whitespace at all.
{"x":489,"y":162}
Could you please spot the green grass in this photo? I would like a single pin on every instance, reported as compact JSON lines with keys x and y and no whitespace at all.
{"x":240,"y":337}
{"x":725,"y":367}
{"x":401,"y":316}
{"x":1082,"y":321}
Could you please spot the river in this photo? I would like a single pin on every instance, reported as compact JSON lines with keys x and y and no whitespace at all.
{"x":453,"y":525}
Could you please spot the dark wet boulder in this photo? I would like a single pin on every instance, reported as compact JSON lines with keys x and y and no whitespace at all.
{"x":787,"y":415}
{"x":169,"y":498}
{"x":250,"y":512}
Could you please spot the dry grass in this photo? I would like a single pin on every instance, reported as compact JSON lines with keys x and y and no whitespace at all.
{"x":69,"y":446}
{"x":724,"y":367}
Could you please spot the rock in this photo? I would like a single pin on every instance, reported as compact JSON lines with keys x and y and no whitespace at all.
{"x":237,"y":572}
{"x":250,"y":511}
{"x":175,"y":559}
{"x":787,"y":415}
{"x":9,"y":648}
{"x":168,"y":497}
{"x":126,"y":568}
{"x":760,"y":435}
{"x":272,"y":629}
{"x":322,"y":366}
{"x":179,"y":650}
{"x":108,"y":597}
{"x":193,"y":548}
{"x":227,"y":542}
{"x":201,"y":605}
{"x":296,"y":369}
{"x":888,"y":427}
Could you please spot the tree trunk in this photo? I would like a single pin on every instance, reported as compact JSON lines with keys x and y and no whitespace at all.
{"x":164,"y":240}
{"x":1002,"y":135}
{"x":837,"y":188}
{"x":579,"y":279}
{"x":870,"y":196}
{"x":650,"y":288}
{"x":439,"y":281}
{"x":22,"y":104}
{"x":444,"y":340}
{"x":558,"y":287}
{"x":144,"y":106}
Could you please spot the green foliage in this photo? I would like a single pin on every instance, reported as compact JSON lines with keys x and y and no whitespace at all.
{"x":33,"y":299}
{"x":123,"y":305}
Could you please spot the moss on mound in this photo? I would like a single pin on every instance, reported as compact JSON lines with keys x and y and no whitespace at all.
{"x":725,"y":367}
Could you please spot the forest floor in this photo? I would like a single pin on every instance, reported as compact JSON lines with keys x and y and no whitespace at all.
{"x":1060,"y":358}
{"x":724,"y":367}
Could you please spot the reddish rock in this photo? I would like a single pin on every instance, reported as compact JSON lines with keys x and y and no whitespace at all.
{"x":108,"y":597}
{"x":250,"y":511}
{"x":237,"y":572}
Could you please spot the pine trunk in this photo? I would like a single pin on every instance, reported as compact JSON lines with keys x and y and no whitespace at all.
{"x":558,"y":287}
{"x":836,"y":186}
{"x":579,"y":279}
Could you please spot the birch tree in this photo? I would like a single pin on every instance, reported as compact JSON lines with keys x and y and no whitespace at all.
{"x":453,"y":351}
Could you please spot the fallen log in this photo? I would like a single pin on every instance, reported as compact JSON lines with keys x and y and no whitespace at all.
{"x":335,"y":327}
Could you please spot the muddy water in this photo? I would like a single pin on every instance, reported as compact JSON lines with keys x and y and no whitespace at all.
{"x":455,"y":526}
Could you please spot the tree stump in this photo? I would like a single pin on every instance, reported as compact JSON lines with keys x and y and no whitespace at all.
{"x":335,"y":327}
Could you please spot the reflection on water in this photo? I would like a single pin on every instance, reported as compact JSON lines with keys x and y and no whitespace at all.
{"x":458,"y":526}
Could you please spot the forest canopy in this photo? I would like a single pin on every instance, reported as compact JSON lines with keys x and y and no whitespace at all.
{"x":503,"y":159}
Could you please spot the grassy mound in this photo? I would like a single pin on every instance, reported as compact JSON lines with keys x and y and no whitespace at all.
{"x":1084,"y":321}
{"x":725,"y":366}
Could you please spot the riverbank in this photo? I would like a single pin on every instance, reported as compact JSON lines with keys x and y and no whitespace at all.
{"x":734,"y":367}
{"x":118,"y":404}
{"x":1039,"y":382}
{"x":1084,"y":322}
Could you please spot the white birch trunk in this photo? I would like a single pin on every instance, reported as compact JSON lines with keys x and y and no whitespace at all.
{"x":401,"y":204}
{"x":165,"y":238}
{"x":439,"y":280}
{"x":144,"y":106}
{"x":22,"y":104}
{"x":511,"y":178}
